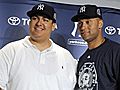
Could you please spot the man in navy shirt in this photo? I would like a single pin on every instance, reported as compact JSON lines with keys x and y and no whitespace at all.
{"x":99,"y":66}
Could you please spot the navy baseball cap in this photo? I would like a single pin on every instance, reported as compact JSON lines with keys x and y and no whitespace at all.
{"x":43,"y":9}
{"x":87,"y":12}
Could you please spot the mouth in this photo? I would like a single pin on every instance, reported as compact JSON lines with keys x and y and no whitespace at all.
{"x":38,"y":29}
{"x":84,"y":33}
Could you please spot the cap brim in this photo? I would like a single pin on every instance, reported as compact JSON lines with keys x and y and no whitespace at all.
{"x":45,"y":14}
{"x":76,"y":18}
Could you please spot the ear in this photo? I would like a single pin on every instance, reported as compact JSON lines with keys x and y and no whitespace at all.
{"x":100,"y":24}
{"x":54,"y":26}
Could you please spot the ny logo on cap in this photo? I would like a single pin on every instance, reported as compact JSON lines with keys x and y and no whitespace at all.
{"x":40,"y":7}
{"x":82,"y":9}
{"x":98,"y":12}
{"x":54,"y":16}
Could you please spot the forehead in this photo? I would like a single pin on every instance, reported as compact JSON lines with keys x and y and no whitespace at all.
{"x":81,"y":20}
{"x":40,"y":16}
{"x":91,"y":19}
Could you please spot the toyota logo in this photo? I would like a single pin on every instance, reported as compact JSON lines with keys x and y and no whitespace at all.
{"x":13,"y":20}
{"x":110,"y":30}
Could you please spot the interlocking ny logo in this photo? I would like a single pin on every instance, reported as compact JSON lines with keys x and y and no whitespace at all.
{"x":40,"y":7}
{"x":82,"y":9}
{"x":98,"y":12}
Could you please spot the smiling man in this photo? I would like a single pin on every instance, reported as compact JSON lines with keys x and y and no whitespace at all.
{"x":36,"y":62}
{"x":99,"y":67}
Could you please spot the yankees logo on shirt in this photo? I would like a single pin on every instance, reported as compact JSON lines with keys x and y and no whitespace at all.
{"x":87,"y":79}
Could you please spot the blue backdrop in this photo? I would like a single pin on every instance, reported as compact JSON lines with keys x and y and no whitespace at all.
{"x":14,"y":24}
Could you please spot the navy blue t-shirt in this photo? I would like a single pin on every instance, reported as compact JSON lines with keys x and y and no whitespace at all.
{"x":99,"y":68}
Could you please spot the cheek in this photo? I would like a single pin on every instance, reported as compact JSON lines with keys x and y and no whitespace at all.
{"x":93,"y":29}
{"x":79,"y":29}
{"x":95,"y":33}
{"x":30,"y":25}
{"x":48,"y":26}
{"x":94,"y":26}
{"x":33,"y":22}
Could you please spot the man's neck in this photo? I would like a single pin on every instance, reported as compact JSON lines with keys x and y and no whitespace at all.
{"x":41,"y":45}
{"x":95,"y":43}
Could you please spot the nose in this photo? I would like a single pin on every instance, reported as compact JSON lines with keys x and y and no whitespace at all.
{"x":83,"y":26}
{"x":39,"y":22}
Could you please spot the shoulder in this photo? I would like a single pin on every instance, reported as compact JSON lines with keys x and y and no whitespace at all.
{"x":113,"y":45}
{"x":63,"y":53}
{"x":112,"y":50}
{"x":60,"y":49}
{"x":12,"y":47}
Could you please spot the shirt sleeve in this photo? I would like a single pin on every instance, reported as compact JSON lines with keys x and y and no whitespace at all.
{"x":117,"y":66}
{"x":5,"y":64}
{"x":71,"y":67}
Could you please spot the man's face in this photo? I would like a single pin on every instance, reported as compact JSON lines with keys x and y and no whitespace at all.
{"x":41,"y":28}
{"x":89,"y":28}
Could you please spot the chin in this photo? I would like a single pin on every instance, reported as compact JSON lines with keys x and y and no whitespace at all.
{"x":87,"y":39}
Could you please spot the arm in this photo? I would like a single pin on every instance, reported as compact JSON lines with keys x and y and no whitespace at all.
{"x":4,"y":69}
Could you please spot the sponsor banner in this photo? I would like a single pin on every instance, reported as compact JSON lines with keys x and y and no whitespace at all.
{"x":15,"y":23}
{"x":111,"y":27}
